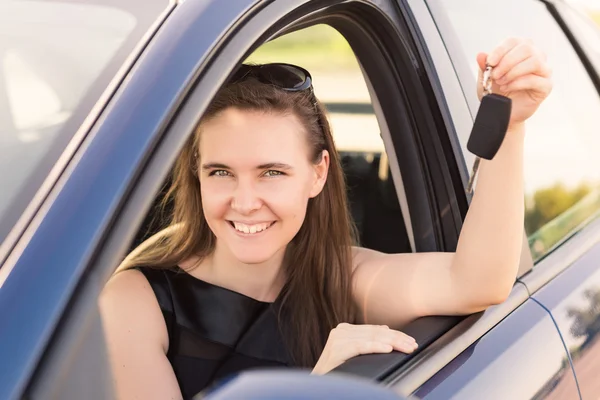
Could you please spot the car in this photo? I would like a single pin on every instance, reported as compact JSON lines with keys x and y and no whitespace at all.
{"x":97,"y":99}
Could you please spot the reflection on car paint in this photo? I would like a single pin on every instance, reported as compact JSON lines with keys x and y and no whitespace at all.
{"x":523,"y":357}
{"x":573,"y":298}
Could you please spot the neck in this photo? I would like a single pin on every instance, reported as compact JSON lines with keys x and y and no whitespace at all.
{"x":262,"y":281}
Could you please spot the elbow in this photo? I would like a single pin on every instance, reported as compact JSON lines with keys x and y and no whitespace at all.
{"x":497,"y":295}
{"x":489,"y":298}
{"x":500,"y":297}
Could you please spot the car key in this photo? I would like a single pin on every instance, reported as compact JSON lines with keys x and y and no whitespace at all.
{"x":490,"y":126}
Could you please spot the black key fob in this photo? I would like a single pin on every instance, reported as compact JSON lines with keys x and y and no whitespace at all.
{"x":491,"y":124}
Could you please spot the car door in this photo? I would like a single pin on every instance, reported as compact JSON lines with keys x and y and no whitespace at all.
{"x":523,"y":355}
{"x":568,"y":280}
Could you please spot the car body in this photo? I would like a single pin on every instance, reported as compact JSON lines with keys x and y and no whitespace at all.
{"x":68,"y":224}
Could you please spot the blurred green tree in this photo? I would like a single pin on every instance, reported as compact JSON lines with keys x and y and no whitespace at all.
{"x":550,"y":202}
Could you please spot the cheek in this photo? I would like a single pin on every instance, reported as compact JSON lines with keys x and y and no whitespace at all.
{"x":214,"y":201}
{"x":289,"y":201}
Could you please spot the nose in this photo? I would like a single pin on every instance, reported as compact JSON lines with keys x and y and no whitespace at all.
{"x":245,"y":199}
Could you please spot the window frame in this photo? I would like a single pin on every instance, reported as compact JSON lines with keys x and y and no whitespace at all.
{"x":408,"y":372}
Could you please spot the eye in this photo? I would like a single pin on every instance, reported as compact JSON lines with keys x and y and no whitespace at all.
{"x":219,"y":172}
{"x":272,"y":173}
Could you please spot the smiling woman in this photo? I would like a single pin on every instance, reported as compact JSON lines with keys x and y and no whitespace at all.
{"x":254,"y":221}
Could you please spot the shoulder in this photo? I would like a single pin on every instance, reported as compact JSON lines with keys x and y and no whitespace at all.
{"x":130,"y":310}
{"x":136,"y":338}
{"x":362,"y":256}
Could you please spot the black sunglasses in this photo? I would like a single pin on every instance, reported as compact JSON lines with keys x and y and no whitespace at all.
{"x":288,"y":77}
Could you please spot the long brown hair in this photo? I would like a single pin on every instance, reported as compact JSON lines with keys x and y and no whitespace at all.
{"x":318,"y":262}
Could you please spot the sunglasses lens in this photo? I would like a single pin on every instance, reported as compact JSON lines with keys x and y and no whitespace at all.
{"x":287,"y":77}
{"x":284,"y":76}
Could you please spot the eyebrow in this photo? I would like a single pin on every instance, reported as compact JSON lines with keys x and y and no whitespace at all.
{"x":272,"y":165}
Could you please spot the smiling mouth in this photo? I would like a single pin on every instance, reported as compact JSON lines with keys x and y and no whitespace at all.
{"x":251,"y":229}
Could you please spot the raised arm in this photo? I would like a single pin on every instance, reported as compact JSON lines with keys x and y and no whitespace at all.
{"x":394,"y":289}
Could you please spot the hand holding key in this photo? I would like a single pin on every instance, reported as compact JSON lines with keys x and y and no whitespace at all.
{"x":520,"y":72}
{"x":513,"y":81}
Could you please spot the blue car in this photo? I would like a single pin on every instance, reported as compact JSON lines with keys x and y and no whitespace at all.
{"x":97,"y":98}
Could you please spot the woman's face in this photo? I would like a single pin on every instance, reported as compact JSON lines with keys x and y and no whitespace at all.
{"x":256,"y":178}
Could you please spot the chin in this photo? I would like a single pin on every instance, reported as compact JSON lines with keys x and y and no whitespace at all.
{"x":252,"y":256}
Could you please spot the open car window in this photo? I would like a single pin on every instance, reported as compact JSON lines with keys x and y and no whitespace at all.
{"x":377,"y":204}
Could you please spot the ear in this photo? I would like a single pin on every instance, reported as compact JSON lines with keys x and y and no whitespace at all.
{"x":321,"y":171}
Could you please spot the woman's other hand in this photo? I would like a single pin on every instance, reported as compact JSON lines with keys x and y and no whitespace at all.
{"x":347,"y":341}
{"x":520,"y":72}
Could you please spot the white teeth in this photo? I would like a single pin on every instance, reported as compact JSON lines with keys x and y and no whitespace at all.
{"x":250,"y":229}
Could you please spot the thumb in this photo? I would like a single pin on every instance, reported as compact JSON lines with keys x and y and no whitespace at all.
{"x":481,"y":60}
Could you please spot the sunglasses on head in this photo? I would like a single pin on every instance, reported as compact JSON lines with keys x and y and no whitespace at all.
{"x":288,"y":77}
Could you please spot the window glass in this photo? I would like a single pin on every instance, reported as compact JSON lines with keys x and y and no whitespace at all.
{"x":562,"y":178}
{"x":56,"y":58}
{"x":340,"y":85}
{"x":585,"y":25}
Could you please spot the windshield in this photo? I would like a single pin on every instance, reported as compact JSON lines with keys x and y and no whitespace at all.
{"x":56,"y":60}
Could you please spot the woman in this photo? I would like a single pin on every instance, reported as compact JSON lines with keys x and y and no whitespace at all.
{"x":257,"y":267}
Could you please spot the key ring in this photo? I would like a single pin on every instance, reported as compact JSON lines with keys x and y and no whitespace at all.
{"x":487,"y":82}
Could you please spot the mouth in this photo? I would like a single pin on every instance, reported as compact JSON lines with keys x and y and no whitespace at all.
{"x":250,"y":229}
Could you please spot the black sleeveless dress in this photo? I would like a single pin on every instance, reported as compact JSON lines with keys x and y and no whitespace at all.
{"x":213,"y":331}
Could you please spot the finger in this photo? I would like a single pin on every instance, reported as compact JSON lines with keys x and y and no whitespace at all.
{"x":376,"y":333}
{"x":530,"y":66}
{"x":398,"y":340}
{"x":499,"y":52}
{"x":481,"y":61}
{"x":520,"y":53}
{"x":534,"y":83}
{"x":383,"y":332}
{"x":404,"y":343}
{"x":370,"y":347}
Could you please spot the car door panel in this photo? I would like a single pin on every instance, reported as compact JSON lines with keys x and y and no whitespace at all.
{"x":523,"y":357}
{"x":573,"y":298}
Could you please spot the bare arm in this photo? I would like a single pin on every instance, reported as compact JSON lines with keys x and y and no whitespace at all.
{"x":394,"y":289}
{"x":137,"y":339}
